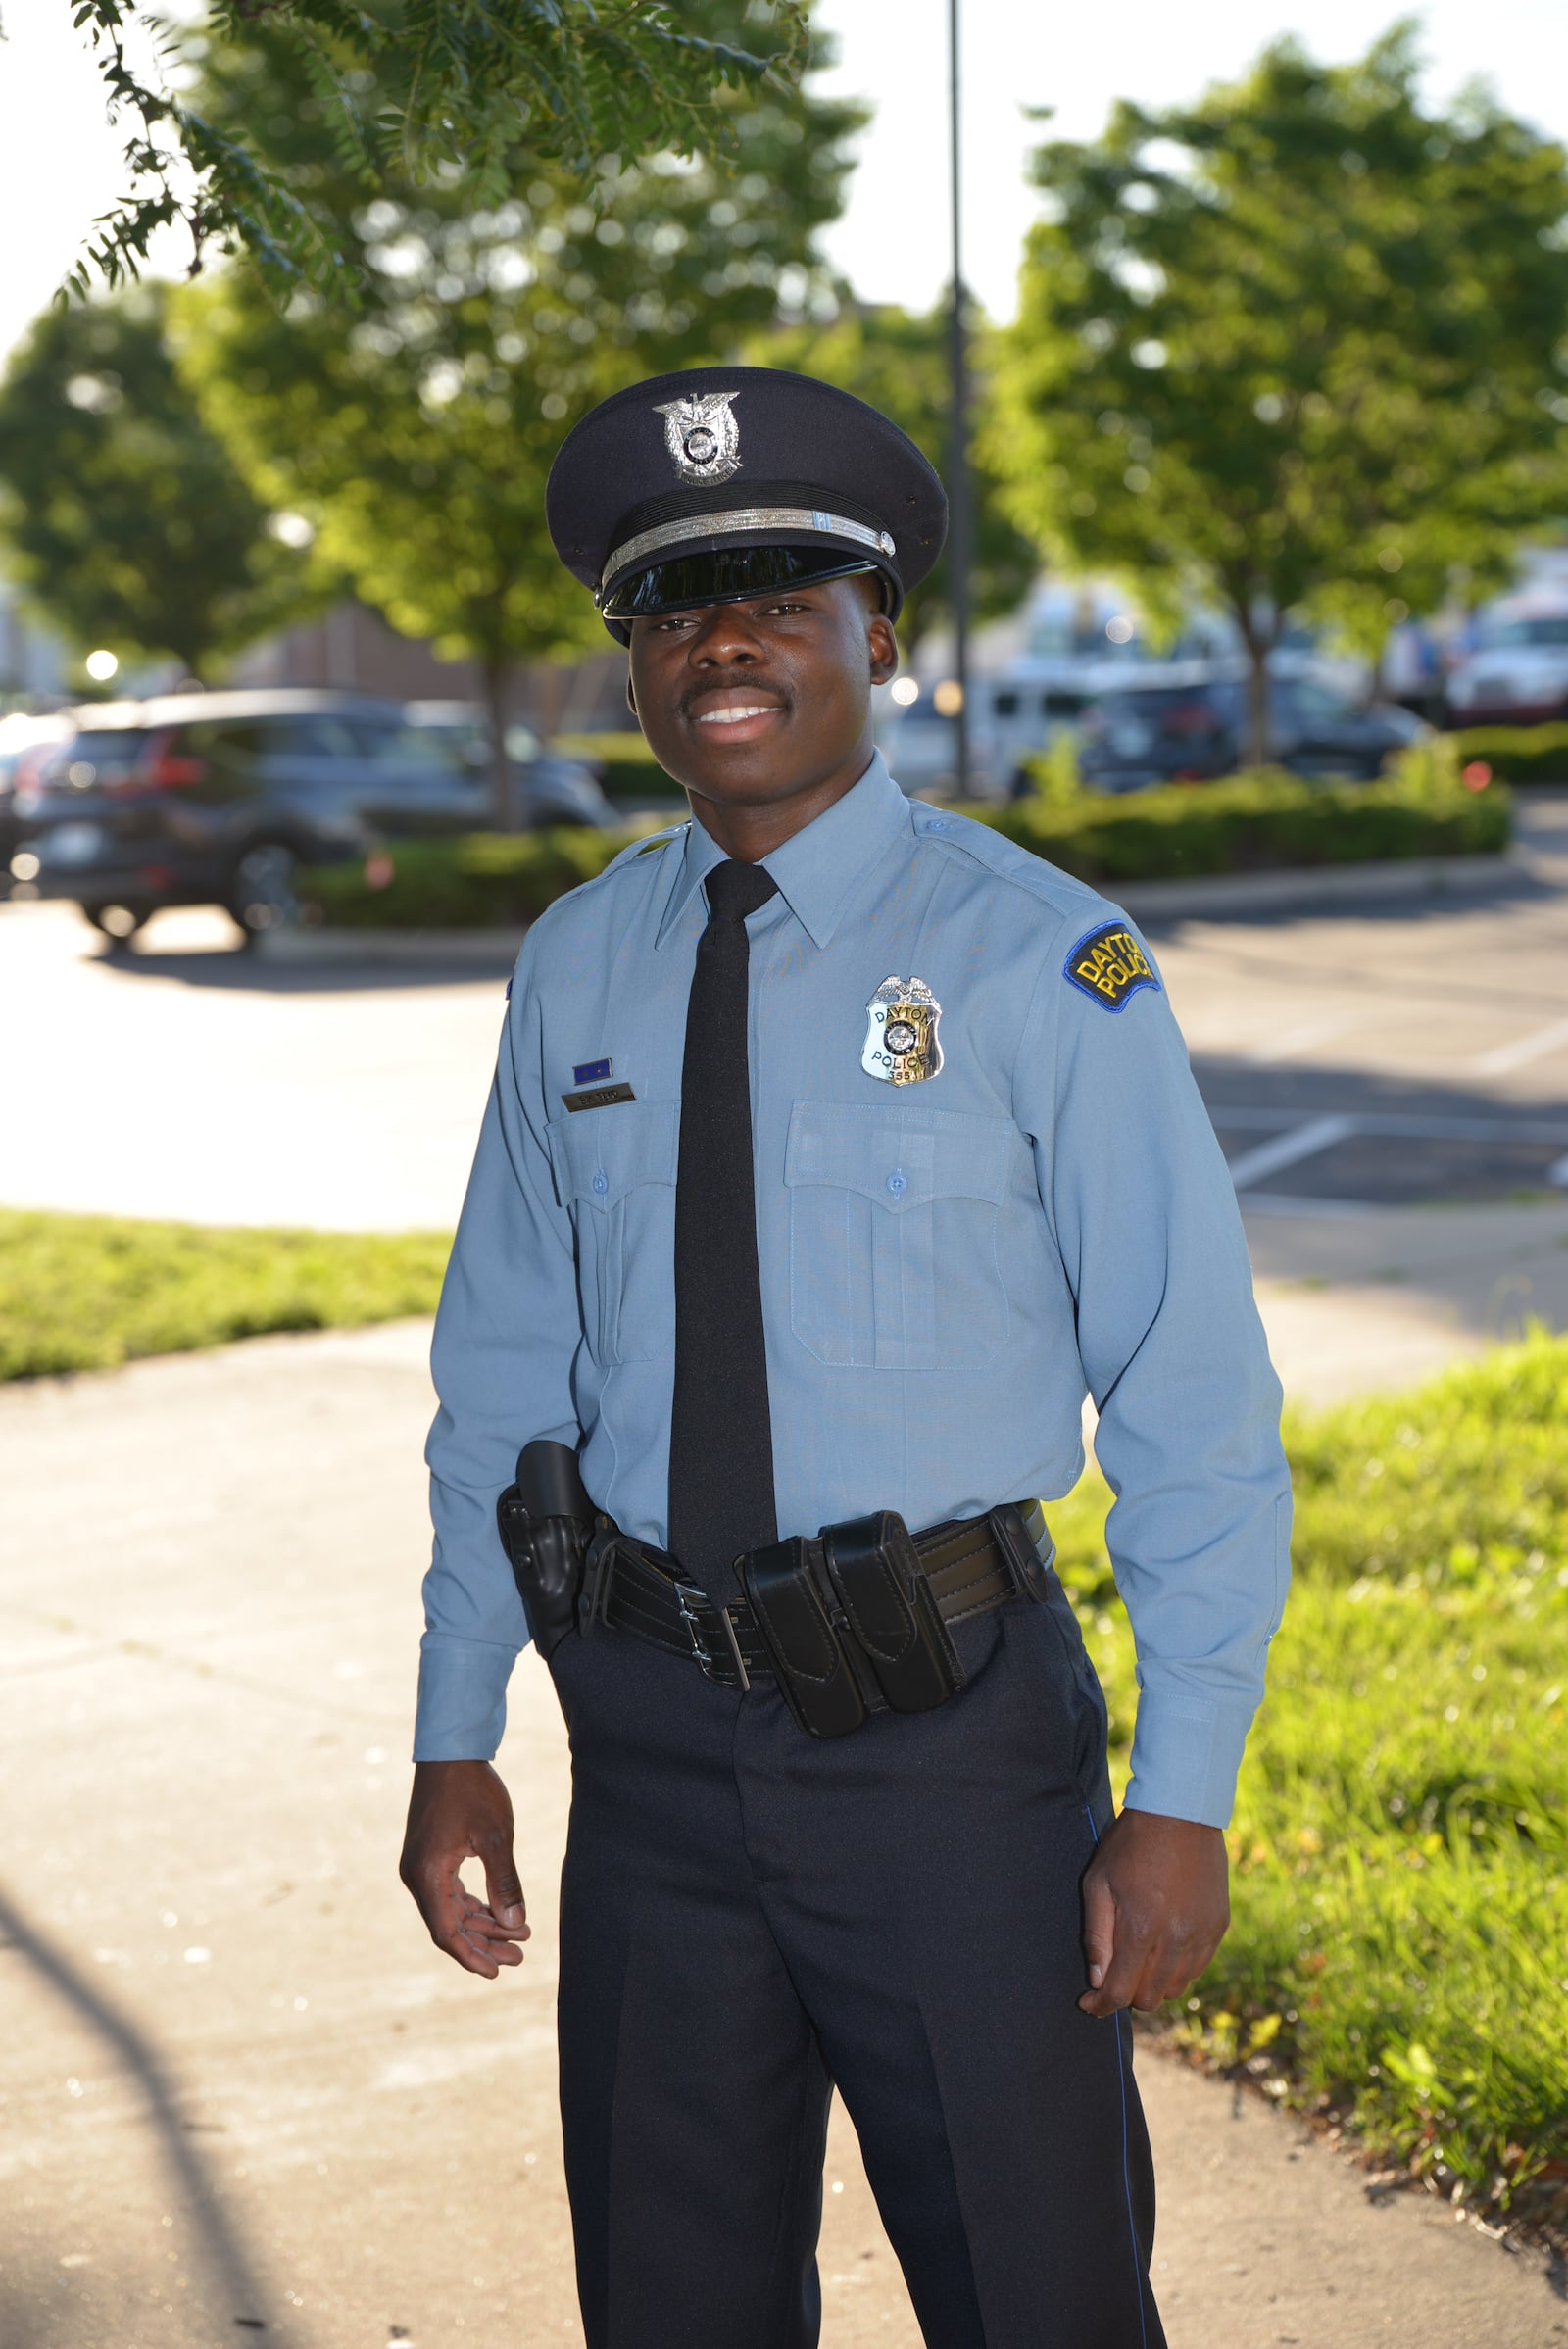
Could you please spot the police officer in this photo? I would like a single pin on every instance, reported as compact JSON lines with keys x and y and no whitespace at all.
{"x":837,"y":1146}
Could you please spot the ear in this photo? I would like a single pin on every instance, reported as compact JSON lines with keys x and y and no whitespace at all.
{"x":631,"y":698}
{"x":883,"y":647}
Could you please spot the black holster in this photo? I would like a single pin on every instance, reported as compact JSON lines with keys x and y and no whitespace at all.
{"x":850,"y":1618}
{"x":547,"y":1521}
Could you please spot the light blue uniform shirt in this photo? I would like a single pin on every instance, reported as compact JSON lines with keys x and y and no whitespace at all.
{"x":947,"y":1266}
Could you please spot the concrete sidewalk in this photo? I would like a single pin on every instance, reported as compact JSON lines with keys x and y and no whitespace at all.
{"x":1388,"y":1296}
{"x":241,"y":2090}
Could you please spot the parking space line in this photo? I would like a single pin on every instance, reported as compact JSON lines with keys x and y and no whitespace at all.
{"x":1523,"y":1050}
{"x":1286,"y":1150}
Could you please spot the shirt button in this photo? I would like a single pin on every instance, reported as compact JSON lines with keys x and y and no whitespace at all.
{"x":897,"y":1184}
{"x":601,"y":1182}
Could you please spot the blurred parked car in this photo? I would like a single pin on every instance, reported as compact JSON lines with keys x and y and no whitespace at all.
{"x":549,"y":790}
{"x":221,"y":798}
{"x":1516,"y":673}
{"x":24,"y":742}
{"x":1190,"y":726}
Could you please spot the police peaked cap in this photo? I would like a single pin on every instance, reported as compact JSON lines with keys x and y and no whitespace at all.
{"x":721,"y":484}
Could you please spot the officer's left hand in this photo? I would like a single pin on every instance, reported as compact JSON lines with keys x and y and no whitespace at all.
{"x":1156,"y":1908}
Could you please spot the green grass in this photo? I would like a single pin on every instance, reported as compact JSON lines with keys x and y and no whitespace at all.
{"x":89,"y":1291}
{"x":1399,"y":1946}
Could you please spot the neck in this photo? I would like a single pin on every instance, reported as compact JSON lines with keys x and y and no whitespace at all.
{"x":747,"y":832}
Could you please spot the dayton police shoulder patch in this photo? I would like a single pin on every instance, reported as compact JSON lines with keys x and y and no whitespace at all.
{"x":1107,"y":965}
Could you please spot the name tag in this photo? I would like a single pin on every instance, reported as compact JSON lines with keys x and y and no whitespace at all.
{"x":598,"y":1096}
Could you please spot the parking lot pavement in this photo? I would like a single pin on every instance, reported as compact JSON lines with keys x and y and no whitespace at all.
{"x":188,"y":1080}
{"x":1394,"y":1056}
{"x":1413,"y":1053}
{"x":244,"y":2096}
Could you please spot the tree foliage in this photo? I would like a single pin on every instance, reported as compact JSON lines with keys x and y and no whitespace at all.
{"x":899,"y":360}
{"x":409,"y":91}
{"x":1300,"y":343}
{"x":126,"y":521}
{"x":416,"y":433}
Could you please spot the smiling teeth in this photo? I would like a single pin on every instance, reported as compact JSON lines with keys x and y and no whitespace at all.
{"x":733,"y":715}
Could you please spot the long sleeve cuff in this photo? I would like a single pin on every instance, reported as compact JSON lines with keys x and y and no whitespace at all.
{"x":462,"y":1699}
{"x":1187,"y":1751}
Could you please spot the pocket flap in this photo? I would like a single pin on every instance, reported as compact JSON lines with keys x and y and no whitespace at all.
{"x":900,"y":1157}
{"x":599,"y":1155}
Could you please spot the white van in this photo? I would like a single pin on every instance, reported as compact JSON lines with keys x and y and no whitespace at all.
{"x":1011,"y":717}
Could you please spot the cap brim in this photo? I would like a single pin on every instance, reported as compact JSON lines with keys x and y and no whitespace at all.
{"x":728,"y":575}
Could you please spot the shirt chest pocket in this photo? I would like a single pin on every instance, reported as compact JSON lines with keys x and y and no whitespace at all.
{"x":894,"y":1261}
{"x":615,"y":1169}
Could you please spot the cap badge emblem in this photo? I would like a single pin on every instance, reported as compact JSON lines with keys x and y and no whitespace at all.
{"x":901,"y":1044}
{"x":701,"y":435}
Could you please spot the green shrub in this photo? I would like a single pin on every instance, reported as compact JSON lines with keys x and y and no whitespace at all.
{"x":89,"y":1292}
{"x":1399,"y":1950}
{"x":1253,"y":823}
{"x":1516,"y":754}
{"x":1058,"y":781}
{"x":487,"y":880}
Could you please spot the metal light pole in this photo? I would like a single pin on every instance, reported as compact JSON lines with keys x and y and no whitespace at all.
{"x":959,"y":513}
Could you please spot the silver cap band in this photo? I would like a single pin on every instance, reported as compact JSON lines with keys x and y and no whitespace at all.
{"x":742,"y":519}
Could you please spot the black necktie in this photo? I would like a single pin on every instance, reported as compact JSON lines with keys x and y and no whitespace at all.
{"x":720,"y":1436}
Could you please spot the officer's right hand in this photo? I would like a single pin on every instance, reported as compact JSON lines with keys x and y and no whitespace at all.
{"x":459,"y":1811}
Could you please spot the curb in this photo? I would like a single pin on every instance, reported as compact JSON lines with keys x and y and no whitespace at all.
{"x":1327,"y":885}
{"x":482,"y":949}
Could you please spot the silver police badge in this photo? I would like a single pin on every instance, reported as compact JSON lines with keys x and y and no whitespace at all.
{"x":901,"y":1037}
{"x":701,"y":435}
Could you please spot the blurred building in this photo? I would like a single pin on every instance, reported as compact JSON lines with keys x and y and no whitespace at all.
{"x":353,"y":649}
{"x":32,"y":662}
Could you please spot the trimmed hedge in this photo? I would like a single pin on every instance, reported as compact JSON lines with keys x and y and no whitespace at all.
{"x":489,"y":880}
{"x":1253,"y":823}
{"x":1260,"y":822}
{"x":1517,"y":754}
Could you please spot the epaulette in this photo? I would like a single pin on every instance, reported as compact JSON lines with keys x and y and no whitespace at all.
{"x":650,"y":846}
{"x":1004,"y":857}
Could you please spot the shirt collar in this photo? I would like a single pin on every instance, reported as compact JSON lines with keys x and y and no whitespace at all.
{"x":819,"y":869}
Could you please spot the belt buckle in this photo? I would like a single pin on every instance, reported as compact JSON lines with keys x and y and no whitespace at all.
{"x":1028,"y":1573}
{"x":708,"y":1663}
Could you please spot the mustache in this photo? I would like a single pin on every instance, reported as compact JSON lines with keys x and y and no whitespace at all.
{"x":765,"y":687}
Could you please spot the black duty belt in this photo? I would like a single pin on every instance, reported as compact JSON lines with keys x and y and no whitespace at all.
{"x":854,"y":1622}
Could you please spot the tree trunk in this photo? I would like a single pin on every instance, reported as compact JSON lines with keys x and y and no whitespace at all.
{"x":1258,"y":648}
{"x":1375,"y":682}
{"x":1258,"y":705}
{"x":494,"y":674}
